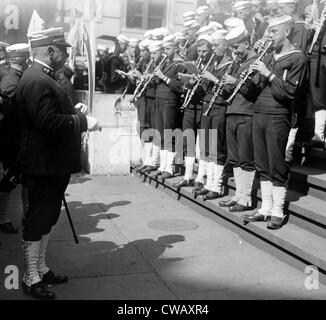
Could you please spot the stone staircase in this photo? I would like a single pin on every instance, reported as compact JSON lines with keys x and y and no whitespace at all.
{"x":302,"y":241}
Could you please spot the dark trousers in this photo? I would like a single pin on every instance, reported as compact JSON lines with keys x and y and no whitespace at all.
{"x":212,"y":136}
{"x":270,"y":136}
{"x":45,"y":194}
{"x":240,"y":148}
{"x":165,"y":122}
{"x":146,"y":115}
{"x":190,"y":125}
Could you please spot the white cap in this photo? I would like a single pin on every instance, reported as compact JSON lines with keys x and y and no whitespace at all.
{"x":287,"y":1}
{"x":18,"y":50}
{"x":277,"y":20}
{"x":189,"y":15}
{"x":256,"y":2}
{"x":203,"y":10}
{"x":219,"y":35}
{"x":4,"y":44}
{"x":233,"y":22}
{"x":159,"y":33}
{"x":180,"y":36}
{"x":191,"y":24}
{"x":148,"y":34}
{"x":240,"y":5}
{"x":133,"y":41}
{"x":206,"y":37}
{"x":215,"y":25}
{"x":101,"y":46}
{"x":236,"y":35}
{"x":155,"y":46}
{"x":271,"y":3}
{"x":122,"y":38}
{"x":168,"y":40}
{"x":145,"y":43}
{"x":205,"y":30}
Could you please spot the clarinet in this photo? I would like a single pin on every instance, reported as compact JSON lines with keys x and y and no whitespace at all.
{"x":249,"y":72}
{"x":318,"y":30}
{"x":219,"y":88}
{"x":136,"y":95}
{"x":192,"y":92}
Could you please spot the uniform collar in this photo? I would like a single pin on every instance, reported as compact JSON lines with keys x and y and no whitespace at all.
{"x":17,"y":71}
{"x":44,"y":67}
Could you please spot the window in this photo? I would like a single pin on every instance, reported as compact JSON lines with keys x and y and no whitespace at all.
{"x":145,"y":14}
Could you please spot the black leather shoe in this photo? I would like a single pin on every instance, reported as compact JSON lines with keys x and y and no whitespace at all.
{"x":275,"y":223}
{"x":201,"y":192}
{"x":140,"y":168}
{"x":238,"y":208}
{"x":155,"y":175}
{"x":184,"y":183}
{"x":148,"y":169}
{"x":227,"y":203}
{"x":255,"y":217}
{"x":8,"y":228}
{"x":211,"y":195}
{"x":166,"y":175}
{"x":51,"y":278}
{"x":198,"y":186}
{"x":38,"y":290}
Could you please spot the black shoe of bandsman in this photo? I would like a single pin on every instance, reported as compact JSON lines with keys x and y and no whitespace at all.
{"x":155,"y":175}
{"x":184,"y":183}
{"x":8,"y":228}
{"x":239,"y":208}
{"x":166,"y":175}
{"x":38,"y":290}
{"x":51,"y":278}
{"x":201,"y":192}
{"x":275,"y":223}
{"x":211,"y":195}
{"x":227,"y":203}
{"x":255,"y":217}
{"x":148,"y":169}
{"x":140,"y":168}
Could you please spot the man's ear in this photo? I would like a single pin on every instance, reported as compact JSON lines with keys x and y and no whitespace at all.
{"x":50,"y":51}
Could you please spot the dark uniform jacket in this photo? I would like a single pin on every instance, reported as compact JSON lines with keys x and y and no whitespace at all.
{"x":300,"y":36}
{"x":278,"y":96}
{"x":173,"y":89}
{"x":9,"y":127}
{"x":218,"y":70}
{"x":51,"y":128}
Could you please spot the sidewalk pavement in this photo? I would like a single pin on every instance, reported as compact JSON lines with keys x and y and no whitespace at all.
{"x":138,"y":243}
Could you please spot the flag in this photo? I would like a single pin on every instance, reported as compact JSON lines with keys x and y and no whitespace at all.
{"x":36,"y":23}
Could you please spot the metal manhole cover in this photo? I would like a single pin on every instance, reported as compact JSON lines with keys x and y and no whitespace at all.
{"x":173,"y":225}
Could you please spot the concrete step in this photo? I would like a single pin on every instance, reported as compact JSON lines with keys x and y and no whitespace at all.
{"x":309,"y":180}
{"x":292,"y":243}
{"x":304,"y":211}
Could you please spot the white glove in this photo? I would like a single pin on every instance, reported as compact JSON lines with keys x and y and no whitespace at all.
{"x":83,"y":108}
{"x":92,"y":124}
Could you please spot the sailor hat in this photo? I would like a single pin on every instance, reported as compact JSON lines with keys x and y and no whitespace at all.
{"x":287,"y":1}
{"x":133,"y":41}
{"x":256,"y":2}
{"x":206,"y":37}
{"x":18,"y":50}
{"x":189,"y":15}
{"x":148,"y":34}
{"x":240,"y":5}
{"x":191,"y":24}
{"x":144,"y":43}
{"x":219,"y":35}
{"x":122,"y":38}
{"x":155,"y":46}
{"x":277,"y":20}
{"x":202,"y":10}
{"x":215,"y":25}
{"x":233,"y":22}
{"x":237,"y":35}
{"x":205,"y":30}
{"x":169,"y":40}
{"x":48,"y":37}
{"x":3,"y":44}
{"x":271,"y":3}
